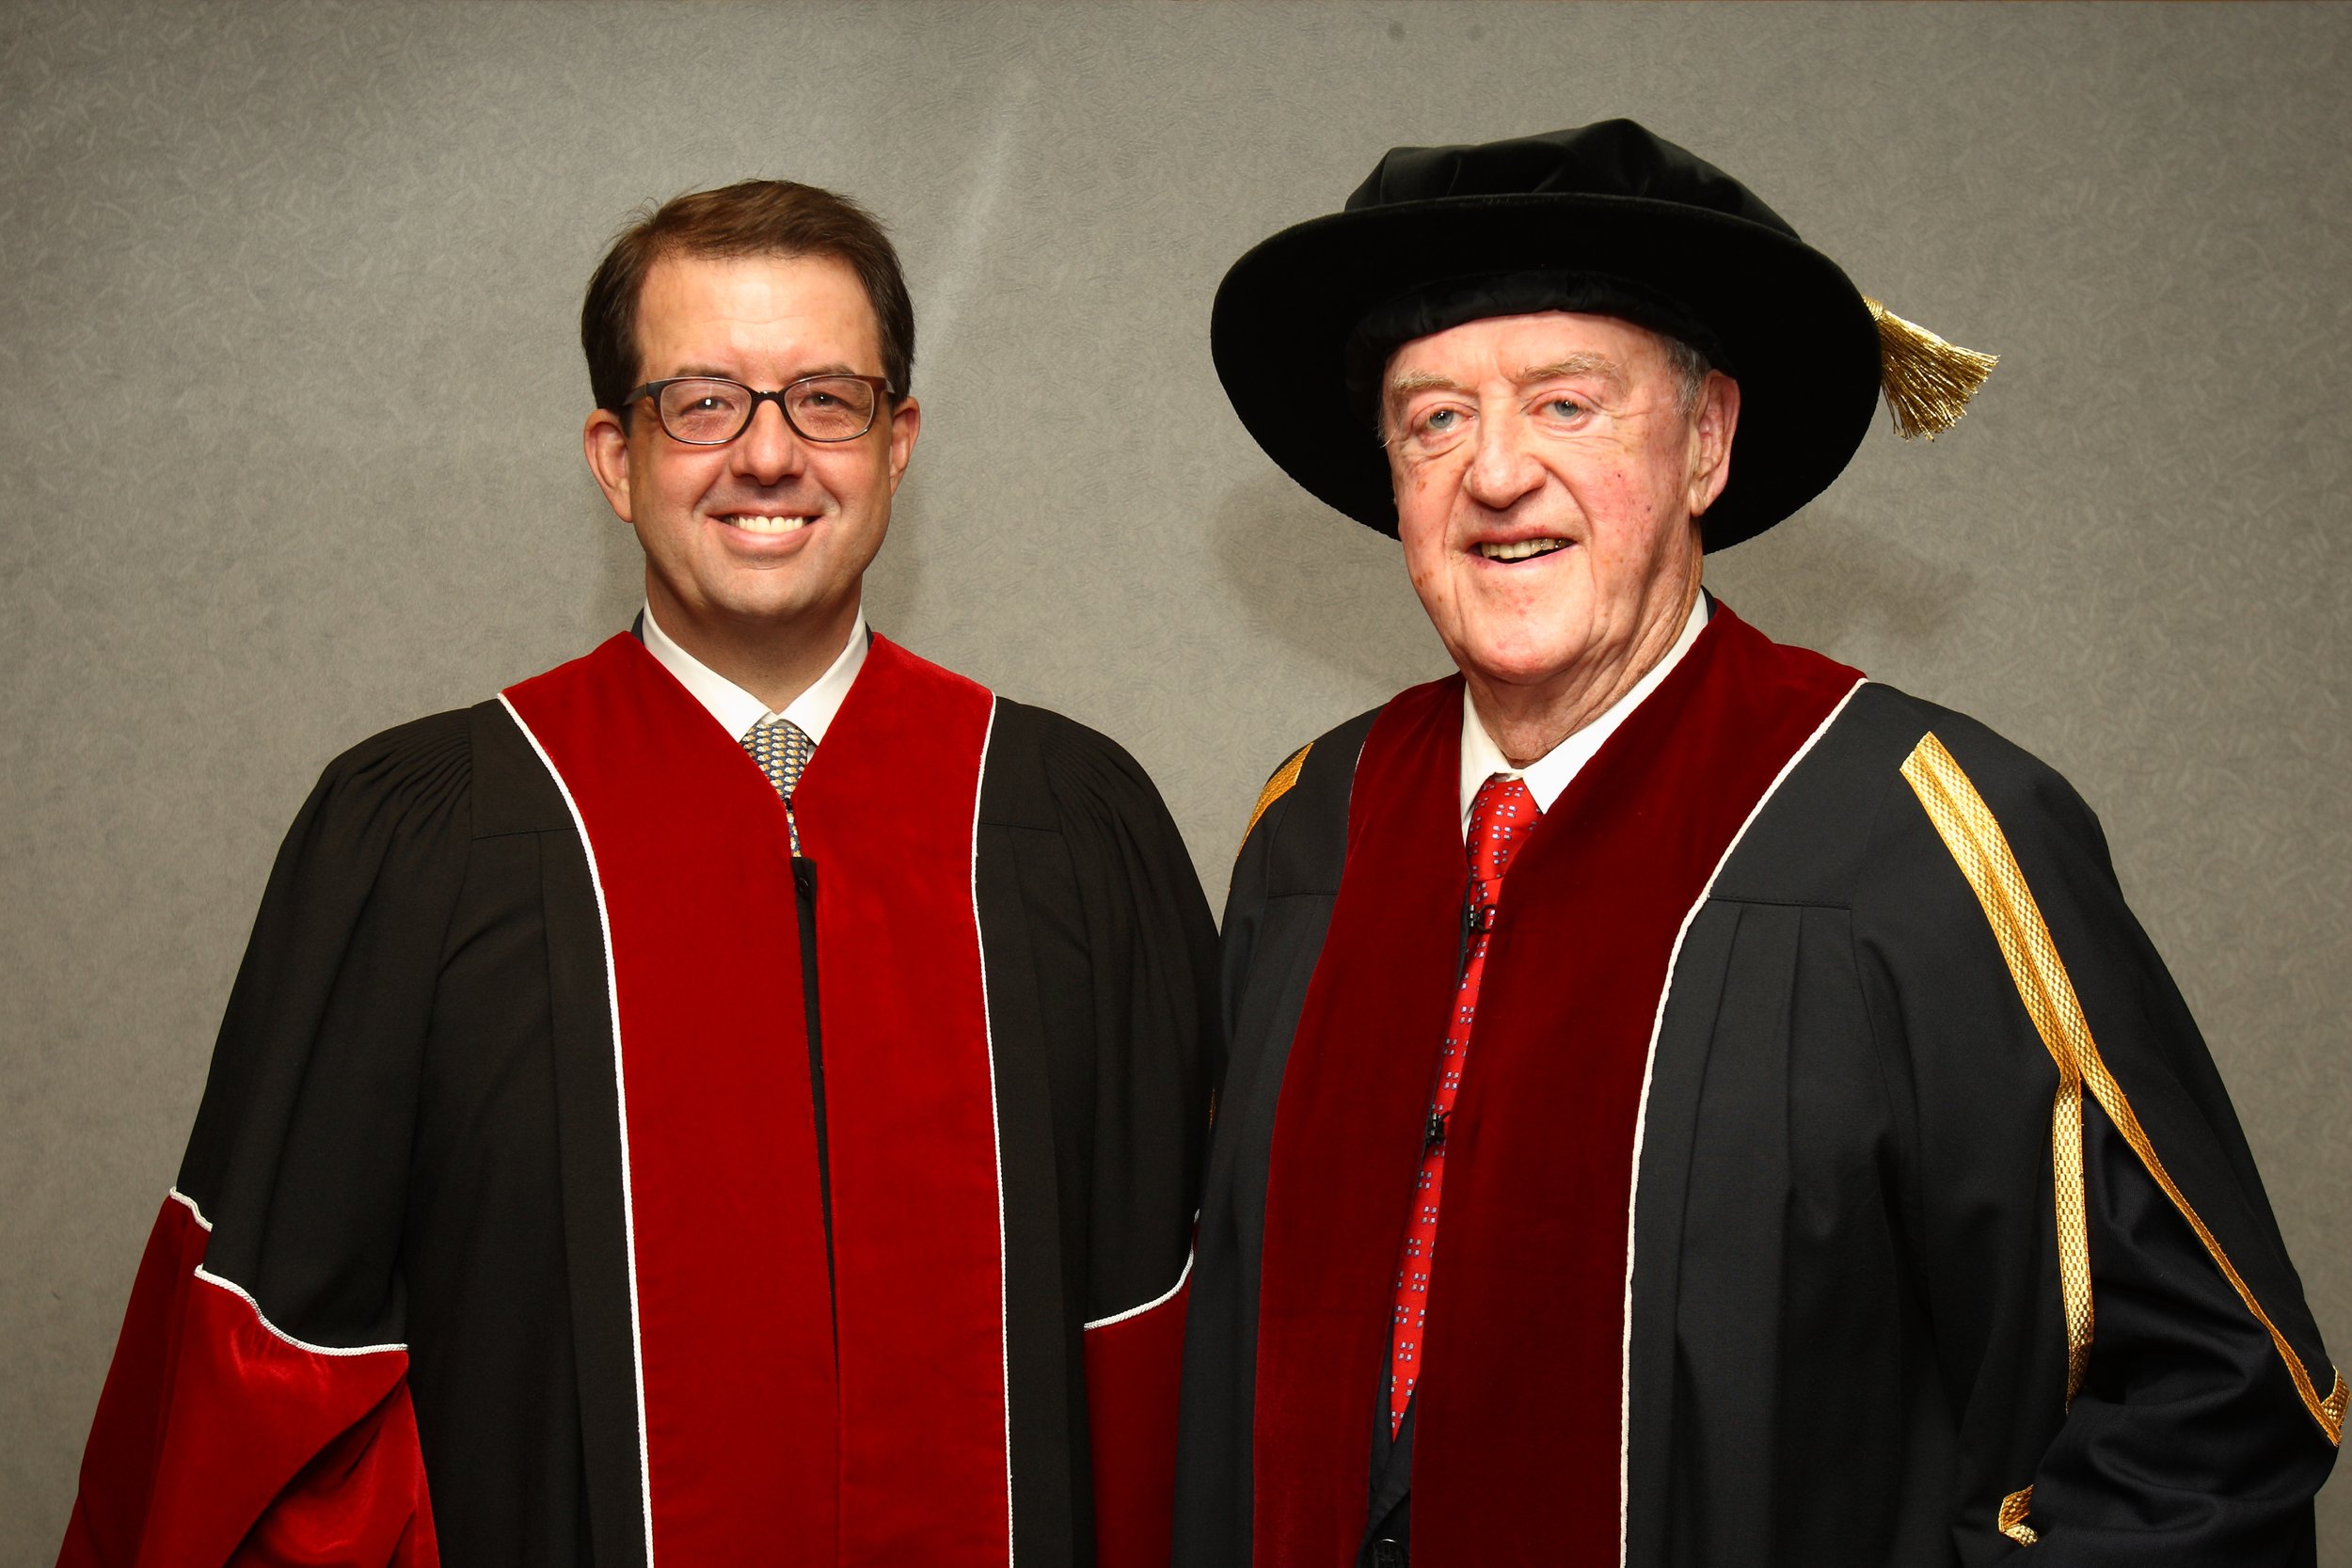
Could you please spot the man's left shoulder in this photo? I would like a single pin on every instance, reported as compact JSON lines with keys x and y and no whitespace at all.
{"x":1879,"y":729}
{"x":1855,"y":795}
{"x":1042,"y":766}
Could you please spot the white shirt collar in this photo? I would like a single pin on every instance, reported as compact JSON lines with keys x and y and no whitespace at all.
{"x":1548,"y":774}
{"x":737,"y":709}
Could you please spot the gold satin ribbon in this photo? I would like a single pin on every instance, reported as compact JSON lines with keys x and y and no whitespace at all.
{"x":1276,"y":787}
{"x":1982,"y":852}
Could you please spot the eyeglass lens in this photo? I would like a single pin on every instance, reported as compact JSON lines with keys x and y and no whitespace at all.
{"x":822,"y":408}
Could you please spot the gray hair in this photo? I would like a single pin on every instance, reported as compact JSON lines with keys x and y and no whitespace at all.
{"x":1690,"y":367}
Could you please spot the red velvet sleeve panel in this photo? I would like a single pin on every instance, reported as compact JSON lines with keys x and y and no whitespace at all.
{"x":219,"y":1440}
{"x":1133,"y":1369}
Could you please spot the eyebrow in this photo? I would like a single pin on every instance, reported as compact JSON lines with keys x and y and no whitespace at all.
{"x":1422,"y":381}
{"x":713,"y":373}
{"x":1573,"y":365}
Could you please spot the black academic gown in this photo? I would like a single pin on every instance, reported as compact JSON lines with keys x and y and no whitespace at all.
{"x":407,"y":1139}
{"x":1848,"y":1336}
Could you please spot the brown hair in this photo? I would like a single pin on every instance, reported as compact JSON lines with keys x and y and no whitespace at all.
{"x":752,"y":218}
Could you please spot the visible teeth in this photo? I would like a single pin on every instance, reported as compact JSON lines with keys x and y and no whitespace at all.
{"x":750,"y":524}
{"x":1522,"y":550}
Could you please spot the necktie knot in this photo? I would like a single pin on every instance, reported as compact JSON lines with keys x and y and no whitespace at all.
{"x":783,"y":751}
{"x":1501,"y":815}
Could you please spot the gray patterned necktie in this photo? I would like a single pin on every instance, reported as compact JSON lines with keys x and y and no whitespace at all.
{"x":783,"y":751}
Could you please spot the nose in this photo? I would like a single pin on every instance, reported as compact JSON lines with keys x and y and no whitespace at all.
{"x":770,"y":451}
{"x":1501,"y":468}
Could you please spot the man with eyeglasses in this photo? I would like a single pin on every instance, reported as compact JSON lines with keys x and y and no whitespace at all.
{"x":737,"y":1097}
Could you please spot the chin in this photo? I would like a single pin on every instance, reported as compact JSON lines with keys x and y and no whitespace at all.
{"x":777,"y":611}
{"x":1521,"y":661}
{"x":753,"y":601}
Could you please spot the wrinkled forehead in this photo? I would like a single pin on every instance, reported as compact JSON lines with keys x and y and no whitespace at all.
{"x":1428,"y":312}
{"x":1527,"y":347}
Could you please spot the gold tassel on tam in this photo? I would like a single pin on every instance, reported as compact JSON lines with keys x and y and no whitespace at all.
{"x":1928,"y":382}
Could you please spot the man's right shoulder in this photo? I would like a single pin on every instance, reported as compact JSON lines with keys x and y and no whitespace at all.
{"x":473,"y":760}
{"x":1312,"y":784}
{"x":419,"y":743}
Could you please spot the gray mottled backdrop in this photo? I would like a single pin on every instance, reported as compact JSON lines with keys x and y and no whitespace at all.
{"x":289,"y":451}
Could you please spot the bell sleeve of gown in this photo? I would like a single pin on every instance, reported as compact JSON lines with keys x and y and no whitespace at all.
{"x":2107,"y":1285}
{"x":257,"y":1410}
{"x":1152,"y":952}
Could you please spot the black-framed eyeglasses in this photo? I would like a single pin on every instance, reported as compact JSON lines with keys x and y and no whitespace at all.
{"x":710,"y":410}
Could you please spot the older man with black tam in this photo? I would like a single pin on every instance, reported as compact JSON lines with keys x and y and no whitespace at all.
{"x":1779,"y":1144}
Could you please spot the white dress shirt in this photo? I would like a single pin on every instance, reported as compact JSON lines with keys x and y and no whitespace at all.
{"x":737,"y":709}
{"x":1548,"y":774}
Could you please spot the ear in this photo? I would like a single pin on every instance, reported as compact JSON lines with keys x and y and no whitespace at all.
{"x":1712,"y":425}
{"x":606,"y":443}
{"x":906,"y":423}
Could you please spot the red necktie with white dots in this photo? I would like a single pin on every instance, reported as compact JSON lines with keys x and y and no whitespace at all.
{"x":1500,"y":817}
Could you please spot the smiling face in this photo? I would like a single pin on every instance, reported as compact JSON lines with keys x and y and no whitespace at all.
{"x":759,"y":544}
{"x":1548,"y":479}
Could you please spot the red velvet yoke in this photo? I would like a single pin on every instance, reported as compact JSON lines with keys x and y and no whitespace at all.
{"x":890,"y":1446}
{"x":1518,"y":1428}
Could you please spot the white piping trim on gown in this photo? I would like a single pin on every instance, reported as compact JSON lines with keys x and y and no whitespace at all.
{"x":995,"y":1128}
{"x":263,"y":1318}
{"x":1641,"y":1119}
{"x":620,"y":1094}
{"x":1161,"y":1300}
